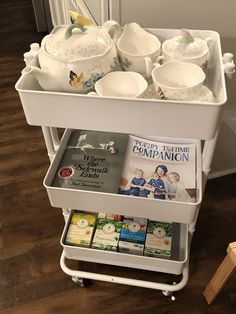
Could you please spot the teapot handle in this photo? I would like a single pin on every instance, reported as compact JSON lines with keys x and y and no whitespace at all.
{"x":113,"y":28}
{"x":228,"y":64}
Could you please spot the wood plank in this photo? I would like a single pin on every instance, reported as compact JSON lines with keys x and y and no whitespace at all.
{"x":224,"y":271}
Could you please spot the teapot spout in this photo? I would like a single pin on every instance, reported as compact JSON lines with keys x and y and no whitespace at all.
{"x":45,"y":80}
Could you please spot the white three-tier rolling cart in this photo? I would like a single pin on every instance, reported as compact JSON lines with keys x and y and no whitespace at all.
{"x":197,"y":122}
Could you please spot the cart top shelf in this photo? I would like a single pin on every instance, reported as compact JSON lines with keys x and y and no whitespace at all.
{"x":198,"y":120}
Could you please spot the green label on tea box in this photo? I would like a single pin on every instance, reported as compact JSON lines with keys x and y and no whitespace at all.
{"x":107,"y":234}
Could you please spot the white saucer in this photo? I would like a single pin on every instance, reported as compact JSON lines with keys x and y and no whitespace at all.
{"x":205,"y":95}
{"x":151,"y":93}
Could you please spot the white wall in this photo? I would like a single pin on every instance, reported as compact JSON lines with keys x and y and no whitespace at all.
{"x":95,"y":9}
{"x":196,"y":14}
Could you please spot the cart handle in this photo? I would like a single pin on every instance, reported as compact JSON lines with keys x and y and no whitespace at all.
{"x":228,"y":64}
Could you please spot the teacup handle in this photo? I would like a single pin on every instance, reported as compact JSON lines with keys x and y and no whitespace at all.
{"x":113,"y":29}
{"x":209,"y":41}
{"x":150,"y":65}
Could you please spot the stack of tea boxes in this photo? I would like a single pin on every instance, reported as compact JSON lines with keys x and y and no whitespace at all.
{"x":111,"y":232}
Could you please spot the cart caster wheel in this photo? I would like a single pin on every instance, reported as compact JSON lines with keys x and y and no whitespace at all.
{"x":79,"y":281}
{"x":168,"y":293}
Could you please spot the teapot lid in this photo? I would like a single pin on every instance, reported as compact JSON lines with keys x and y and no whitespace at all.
{"x":185,"y":46}
{"x":81,"y":45}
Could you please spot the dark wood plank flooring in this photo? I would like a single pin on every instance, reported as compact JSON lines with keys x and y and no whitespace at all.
{"x":31,"y":280}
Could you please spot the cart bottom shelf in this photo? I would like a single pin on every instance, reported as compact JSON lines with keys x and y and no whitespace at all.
{"x":171,"y":266}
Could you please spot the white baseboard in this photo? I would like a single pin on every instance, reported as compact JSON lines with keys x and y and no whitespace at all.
{"x":222,"y":173}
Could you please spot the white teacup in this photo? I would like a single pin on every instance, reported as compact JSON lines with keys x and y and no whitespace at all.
{"x":121,"y":84}
{"x":178,"y":80}
{"x":134,"y":46}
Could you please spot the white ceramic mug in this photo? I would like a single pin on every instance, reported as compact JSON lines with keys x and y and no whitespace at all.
{"x":178,"y":80}
{"x":121,"y":84}
{"x":134,"y":45}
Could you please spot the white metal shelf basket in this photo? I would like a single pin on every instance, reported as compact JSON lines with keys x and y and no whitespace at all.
{"x":197,"y":120}
{"x":172,"y":266}
{"x":163,"y":210}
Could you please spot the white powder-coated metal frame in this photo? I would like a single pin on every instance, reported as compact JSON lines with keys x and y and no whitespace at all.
{"x":208,"y":136}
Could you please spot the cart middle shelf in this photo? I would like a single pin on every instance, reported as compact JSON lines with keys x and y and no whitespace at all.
{"x":155,"y":209}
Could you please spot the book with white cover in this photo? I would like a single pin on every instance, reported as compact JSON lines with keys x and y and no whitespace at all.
{"x":160,"y":170}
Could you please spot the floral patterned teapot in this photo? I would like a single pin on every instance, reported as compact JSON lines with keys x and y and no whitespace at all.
{"x":72,"y":58}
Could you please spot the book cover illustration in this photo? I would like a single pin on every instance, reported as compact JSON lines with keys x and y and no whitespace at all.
{"x":107,"y":235}
{"x":159,"y":170}
{"x":158,"y":240}
{"x":92,"y":161}
{"x":81,"y":229}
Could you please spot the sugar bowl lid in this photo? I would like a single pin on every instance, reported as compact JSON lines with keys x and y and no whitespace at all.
{"x":185,"y":46}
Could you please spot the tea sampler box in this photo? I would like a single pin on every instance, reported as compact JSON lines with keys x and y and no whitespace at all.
{"x":107,"y":235}
{"x":113,"y":216}
{"x":133,"y":234}
{"x":81,"y":229}
{"x":158,"y":239}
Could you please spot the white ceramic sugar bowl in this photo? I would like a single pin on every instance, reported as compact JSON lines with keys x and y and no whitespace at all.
{"x":186,"y":48}
{"x":74,"y":63}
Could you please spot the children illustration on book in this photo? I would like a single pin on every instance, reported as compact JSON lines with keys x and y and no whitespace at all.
{"x":161,"y":185}
{"x":180,"y":193}
{"x":137,"y":182}
{"x":157,"y":184}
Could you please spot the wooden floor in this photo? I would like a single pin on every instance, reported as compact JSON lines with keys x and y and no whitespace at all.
{"x":31,"y":280}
